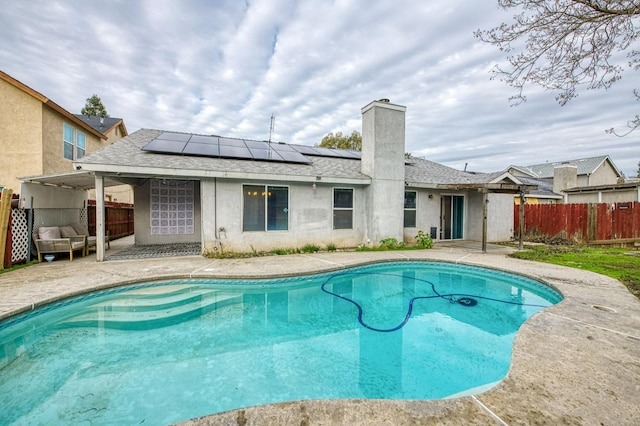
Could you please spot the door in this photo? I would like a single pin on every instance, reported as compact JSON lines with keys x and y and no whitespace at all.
{"x":452,"y":217}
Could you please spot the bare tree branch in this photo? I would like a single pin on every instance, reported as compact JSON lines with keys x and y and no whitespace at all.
{"x":564,"y":44}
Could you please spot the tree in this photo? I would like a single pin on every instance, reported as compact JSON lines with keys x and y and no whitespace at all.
{"x":638,"y":172}
{"x":338,"y":140}
{"x":566,"y":43}
{"x":94,"y":107}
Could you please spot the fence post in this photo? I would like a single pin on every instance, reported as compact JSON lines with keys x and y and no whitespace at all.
{"x":592,"y":222}
{"x":5,"y":212}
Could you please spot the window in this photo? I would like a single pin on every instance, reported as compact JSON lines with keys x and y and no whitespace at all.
{"x":342,"y":208}
{"x":68,"y":141}
{"x":81,"y":145}
{"x":410,"y":209}
{"x":265,"y":208}
{"x":73,"y":141}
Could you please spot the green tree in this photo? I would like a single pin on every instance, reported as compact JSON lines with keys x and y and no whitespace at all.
{"x":562,"y":44}
{"x":340,"y":141}
{"x":638,"y":172}
{"x":94,"y":107}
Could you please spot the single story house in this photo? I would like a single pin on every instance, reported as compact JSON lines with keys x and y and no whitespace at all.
{"x":554,"y":179}
{"x":244,"y":195}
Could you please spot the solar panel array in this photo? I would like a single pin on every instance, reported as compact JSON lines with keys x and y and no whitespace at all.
{"x":220,"y":147}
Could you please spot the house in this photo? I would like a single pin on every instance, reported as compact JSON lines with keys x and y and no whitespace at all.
{"x":243,"y":195}
{"x":39,"y":137}
{"x":553,"y":179}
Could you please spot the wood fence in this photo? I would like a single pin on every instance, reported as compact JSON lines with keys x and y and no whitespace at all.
{"x":586,"y":223}
{"x":118,"y":218}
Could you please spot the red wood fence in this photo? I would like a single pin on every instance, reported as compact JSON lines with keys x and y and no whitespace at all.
{"x":118,"y":218}
{"x":581,"y":222}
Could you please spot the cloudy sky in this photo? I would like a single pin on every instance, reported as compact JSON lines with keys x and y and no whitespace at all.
{"x":225,"y":66}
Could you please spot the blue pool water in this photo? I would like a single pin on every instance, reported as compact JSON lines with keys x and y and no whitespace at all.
{"x":162,"y":352}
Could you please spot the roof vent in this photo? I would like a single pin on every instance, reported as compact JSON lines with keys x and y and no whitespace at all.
{"x":385,"y":100}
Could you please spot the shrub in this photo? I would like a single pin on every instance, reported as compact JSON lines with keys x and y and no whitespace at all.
{"x":310,"y":248}
{"x":391,"y":243}
{"x":424,"y":240}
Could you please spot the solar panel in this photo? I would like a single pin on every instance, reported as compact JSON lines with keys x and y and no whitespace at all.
{"x":261,"y":154}
{"x":204,"y":139}
{"x":221,"y":147}
{"x":181,"y":137}
{"x":294,"y":157}
{"x":202,"y":149}
{"x":235,"y":152}
{"x":303,"y":149}
{"x":163,"y":145}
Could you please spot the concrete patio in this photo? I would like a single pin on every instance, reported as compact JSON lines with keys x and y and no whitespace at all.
{"x":575,"y":363}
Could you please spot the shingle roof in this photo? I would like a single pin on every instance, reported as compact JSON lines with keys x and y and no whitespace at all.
{"x":101,"y":124}
{"x":584,"y":165}
{"x":420,"y":170}
{"x":127,"y":152}
{"x":545,"y":187}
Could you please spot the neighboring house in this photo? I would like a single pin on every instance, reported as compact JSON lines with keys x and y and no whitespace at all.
{"x":242,"y":195}
{"x":616,"y":193}
{"x":39,"y":137}
{"x":553,"y":179}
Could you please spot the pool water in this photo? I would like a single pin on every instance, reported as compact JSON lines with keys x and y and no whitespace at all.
{"x":168,"y":351}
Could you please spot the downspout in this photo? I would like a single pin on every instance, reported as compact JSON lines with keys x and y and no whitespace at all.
{"x":485,"y":212}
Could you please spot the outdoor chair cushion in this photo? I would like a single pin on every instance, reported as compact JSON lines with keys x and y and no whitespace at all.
{"x":49,"y":233}
{"x":68,"y":231}
{"x":80,"y":229}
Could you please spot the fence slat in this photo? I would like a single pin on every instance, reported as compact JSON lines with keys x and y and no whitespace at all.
{"x":581,"y":222}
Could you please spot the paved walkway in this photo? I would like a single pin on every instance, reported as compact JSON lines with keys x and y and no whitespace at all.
{"x":575,"y":363}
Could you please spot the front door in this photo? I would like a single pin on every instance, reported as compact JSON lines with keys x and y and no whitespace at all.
{"x":452,"y":217}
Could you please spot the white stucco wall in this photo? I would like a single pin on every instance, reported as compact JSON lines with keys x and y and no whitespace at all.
{"x":51,"y":197}
{"x":310,"y":218}
{"x":142,"y":219}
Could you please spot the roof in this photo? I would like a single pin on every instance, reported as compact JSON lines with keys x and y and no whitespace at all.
{"x":102,"y":124}
{"x":585,"y":166}
{"x":544,"y":190}
{"x":126,"y":158}
{"x":48,"y":102}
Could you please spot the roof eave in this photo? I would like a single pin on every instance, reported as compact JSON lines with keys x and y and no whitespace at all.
{"x":150,"y":172}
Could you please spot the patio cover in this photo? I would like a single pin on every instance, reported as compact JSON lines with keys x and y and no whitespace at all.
{"x":79,"y":180}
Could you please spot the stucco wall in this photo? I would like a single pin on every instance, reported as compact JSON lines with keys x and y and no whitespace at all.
{"x":310,"y":218}
{"x":427,"y":214}
{"x":51,"y":197}
{"x":499,"y":217}
{"x":52,"y":126}
{"x":142,"y":219}
{"x":20,"y":135}
{"x":605,"y":197}
{"x":604,"y":175}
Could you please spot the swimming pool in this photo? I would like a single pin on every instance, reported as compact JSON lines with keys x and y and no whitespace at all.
{"x":168,"y":351}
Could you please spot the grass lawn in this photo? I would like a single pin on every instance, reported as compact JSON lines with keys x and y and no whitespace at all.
{"x":621,"y":264}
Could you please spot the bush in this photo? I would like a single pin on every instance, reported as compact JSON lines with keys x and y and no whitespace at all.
{"x":424,"y":240}
{"x":391,"y":243}
{"x":310,"y":248}
{"x":331,"y":247}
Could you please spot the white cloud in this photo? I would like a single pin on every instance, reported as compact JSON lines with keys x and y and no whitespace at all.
{"x":224,"y":67}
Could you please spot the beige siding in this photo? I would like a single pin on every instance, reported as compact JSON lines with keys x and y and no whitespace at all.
{"x":20,"y":136}
{"x":54,"y":161}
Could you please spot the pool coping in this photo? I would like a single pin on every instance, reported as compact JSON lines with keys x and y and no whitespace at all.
{"x":573,"y":363}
